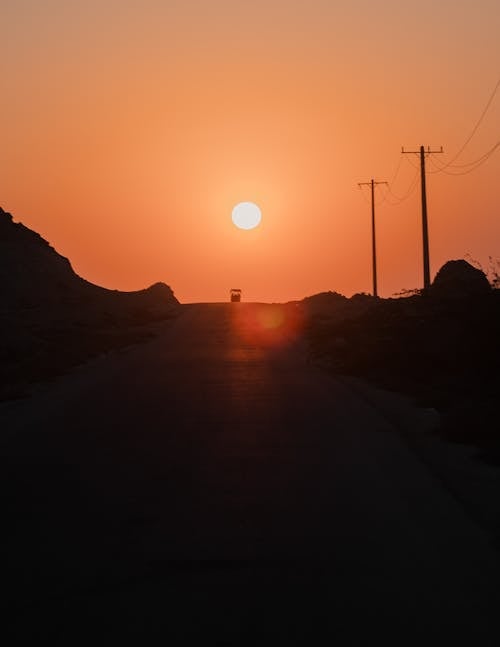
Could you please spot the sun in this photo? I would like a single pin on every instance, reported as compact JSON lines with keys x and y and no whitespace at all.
{"x":246,"y":215}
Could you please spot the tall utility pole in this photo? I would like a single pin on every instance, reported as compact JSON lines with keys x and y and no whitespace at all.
{"x":373,"y":184}
{"x":425,"y":229}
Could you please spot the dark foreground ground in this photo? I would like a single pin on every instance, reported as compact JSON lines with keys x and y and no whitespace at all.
{"x":214,"y":486}
{"x":443,"y":350}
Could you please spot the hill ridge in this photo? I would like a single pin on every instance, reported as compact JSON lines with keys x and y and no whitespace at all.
{"x":52,"y":319}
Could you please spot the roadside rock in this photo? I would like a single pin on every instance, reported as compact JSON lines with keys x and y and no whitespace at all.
{"x":458,"y":279}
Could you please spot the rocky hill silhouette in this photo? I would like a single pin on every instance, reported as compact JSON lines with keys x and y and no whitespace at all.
{"x":440,"y":345}
{"x":52,"y":319}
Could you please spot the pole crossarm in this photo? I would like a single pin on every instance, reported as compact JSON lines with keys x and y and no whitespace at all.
{"x":427,"y":151}
{"x":425,"y":229}
{"x":372,"y":184}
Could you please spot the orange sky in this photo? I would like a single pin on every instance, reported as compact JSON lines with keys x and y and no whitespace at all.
{"x":129,"y":129}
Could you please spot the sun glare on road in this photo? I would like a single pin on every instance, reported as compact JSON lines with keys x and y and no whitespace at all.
{"x":265,"y":325}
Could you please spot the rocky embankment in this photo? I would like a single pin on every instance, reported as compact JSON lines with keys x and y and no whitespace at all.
{"x":441,"y":346}
{"x":51,"y":319}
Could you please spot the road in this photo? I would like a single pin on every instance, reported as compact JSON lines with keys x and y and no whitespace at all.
{"x":212,"y":485}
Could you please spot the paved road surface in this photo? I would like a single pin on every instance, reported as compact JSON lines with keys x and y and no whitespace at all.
{"x":212,"y":486}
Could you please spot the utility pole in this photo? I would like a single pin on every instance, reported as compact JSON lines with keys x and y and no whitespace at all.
{"x":373,"y":184}
{"x":425,"y":229}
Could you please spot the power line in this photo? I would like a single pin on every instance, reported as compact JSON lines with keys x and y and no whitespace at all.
{"x":416,"y":166}
{"x":367,"y":200}
{"x":399,"y":199}
{"x":373,"y":184}
{"x":469,"y":166}
{"x":483,"y":157}
{"x":393,"y":179}
{"x":474,"y":130}
{"x":425,"y":230}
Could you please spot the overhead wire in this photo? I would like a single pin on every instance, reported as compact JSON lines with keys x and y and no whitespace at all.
{"x":474,"y":130}
{"x":479,"y":159}
{"x":363,"y":195}
{"x":388,"y":184}
{"x":398,"y":199}
{"x":393,"y":179}
{"x":408,"y":159}
{"x":464,"y":169}
{"x":468,"y":167}
{"x":368,"y":201}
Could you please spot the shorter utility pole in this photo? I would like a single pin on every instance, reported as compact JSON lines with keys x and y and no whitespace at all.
{"x":425,"y":228}
{"x":373,"y":184}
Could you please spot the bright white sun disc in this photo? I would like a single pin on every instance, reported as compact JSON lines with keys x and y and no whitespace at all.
{"x":246,"y":215}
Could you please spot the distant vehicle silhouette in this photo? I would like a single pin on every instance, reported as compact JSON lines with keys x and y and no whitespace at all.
{"x":235,"y":294}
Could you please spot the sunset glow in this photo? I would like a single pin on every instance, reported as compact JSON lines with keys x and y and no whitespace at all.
{"x":246,"y":215}
{"x":130,"y":130}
